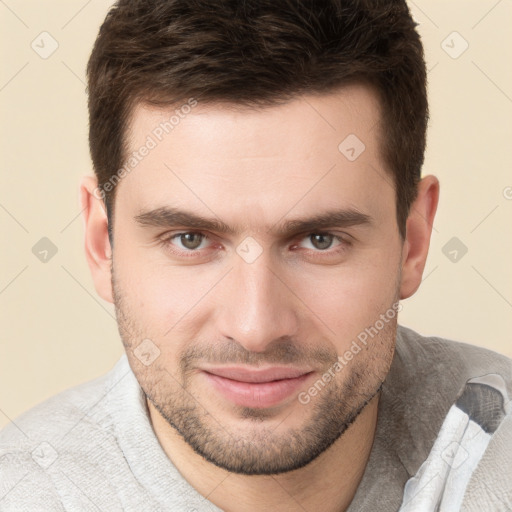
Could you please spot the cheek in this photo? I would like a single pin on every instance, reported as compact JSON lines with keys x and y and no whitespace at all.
{"x":172,"y":302}
{"x":351,"y":298}
{"x":163,"y":300}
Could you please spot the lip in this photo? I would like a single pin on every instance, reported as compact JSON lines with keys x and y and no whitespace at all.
{"x":256,"y":388}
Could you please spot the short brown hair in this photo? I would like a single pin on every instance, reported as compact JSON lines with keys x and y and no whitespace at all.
{"x":259,"y":53}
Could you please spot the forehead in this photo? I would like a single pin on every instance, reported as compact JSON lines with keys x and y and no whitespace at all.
{"x":321,"y":149}
{"x":307,"y":118}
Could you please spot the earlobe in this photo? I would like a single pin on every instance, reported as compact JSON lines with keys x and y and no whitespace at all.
{"x":97,"y":245}
{"x":419,"y":230}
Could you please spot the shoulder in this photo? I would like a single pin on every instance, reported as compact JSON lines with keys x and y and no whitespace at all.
{"x":448,"y":362}
{"x":458,"y":413}
{"x":490,"y":487}
{"x":57,"y":415}
{"x":428,"y":376}
{"x":38,"y":444}
{"x":24,"y":484}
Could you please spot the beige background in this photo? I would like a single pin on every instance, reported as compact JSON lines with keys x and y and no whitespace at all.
{"x":57,"y":333}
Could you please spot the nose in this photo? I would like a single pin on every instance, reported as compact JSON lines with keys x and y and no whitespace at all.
{"x":258,"y":307}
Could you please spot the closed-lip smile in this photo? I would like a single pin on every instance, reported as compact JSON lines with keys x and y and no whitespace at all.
{"x":256,"y":387}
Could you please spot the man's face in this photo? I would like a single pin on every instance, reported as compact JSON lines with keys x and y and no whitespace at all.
{"x":245,"y":322}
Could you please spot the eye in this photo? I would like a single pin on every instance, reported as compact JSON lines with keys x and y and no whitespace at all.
{"x":190,"y":241}
{"x":323,"y":241}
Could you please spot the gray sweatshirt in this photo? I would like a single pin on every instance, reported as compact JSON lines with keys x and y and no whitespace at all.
{"x":443,"y":442}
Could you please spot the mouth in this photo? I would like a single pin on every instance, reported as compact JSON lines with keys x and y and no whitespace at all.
{"x":256,"y":388}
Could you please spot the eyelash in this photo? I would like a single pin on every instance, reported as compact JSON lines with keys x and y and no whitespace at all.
{"x":191,"y":253}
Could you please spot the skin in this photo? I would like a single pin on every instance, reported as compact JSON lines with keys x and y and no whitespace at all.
{"x":300,"y":303}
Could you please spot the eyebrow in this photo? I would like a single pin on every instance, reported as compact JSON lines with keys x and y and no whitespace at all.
{"x":169,"y":217}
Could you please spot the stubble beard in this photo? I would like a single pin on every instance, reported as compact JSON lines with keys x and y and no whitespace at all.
{"x":254,"y":447}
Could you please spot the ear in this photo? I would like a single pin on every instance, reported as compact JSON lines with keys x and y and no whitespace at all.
{"x":417,"y":239}
{"x":97,"y":245}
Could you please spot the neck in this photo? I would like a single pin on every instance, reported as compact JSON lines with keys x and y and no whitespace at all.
{"x":331,"y":479}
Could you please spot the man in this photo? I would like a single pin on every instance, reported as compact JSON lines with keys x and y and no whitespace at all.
{"x":256,"y":216}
